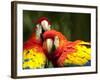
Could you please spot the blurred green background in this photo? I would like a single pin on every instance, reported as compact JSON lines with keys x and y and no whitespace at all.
{"x":75,"y":26}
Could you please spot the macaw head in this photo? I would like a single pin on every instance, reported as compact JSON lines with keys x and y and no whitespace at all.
{"x":53,"y":40}
{"x":42,"y":25}
{"x":45,"y":23}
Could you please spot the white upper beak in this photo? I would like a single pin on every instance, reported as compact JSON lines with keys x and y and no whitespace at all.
{"x":49,"y":44}
{"x":45,"y":25}
{"x":56,"y":41}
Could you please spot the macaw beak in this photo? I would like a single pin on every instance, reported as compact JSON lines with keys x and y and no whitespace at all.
{"x":52,"y":45}
{"x":45,"y":25}
{"x":49,"y":45}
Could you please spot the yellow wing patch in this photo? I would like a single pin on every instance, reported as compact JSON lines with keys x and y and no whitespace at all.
{"x":33,"y":59}
{"x":80,"y":57}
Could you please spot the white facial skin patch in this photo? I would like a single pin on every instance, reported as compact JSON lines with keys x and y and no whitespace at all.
{"x":56,"y":41}
{"x":38,"y":31}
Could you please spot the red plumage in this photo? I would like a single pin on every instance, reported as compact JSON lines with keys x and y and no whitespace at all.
{"x":65,"y":48}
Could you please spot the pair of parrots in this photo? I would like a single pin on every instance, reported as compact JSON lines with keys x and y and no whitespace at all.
{"x":50,"y":46}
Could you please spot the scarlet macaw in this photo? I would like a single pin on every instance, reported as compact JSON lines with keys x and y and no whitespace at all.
{"x":66,"y":53}
{"x":33,"y":52}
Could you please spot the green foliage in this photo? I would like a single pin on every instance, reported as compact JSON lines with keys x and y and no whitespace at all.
{"x":73,"y":25}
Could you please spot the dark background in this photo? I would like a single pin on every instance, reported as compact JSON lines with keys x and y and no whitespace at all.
{"x":75,"y":26}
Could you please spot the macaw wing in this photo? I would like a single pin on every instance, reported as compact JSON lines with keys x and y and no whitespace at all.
{"x":33,"y":57}
{"x":75,"y":55}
